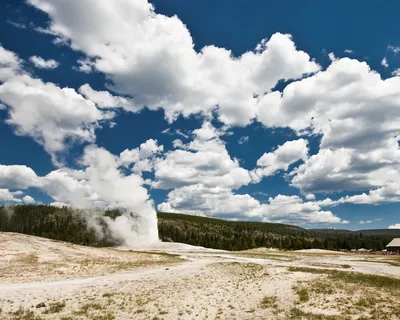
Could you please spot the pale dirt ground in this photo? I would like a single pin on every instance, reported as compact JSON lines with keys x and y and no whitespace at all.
{"x":178,"y":281}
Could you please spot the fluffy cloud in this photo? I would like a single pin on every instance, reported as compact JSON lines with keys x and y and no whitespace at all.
{"x":202,"y":175}
{"x":310,"y":196}
{"x":104,"y":99}
{"x":142,"y":157}
{"x":346,"y":103}
{"x":54,"y":117}
{"x":394,"y":226}
{"x":177,"y":143}
{"x":151,"y":57}
{"x":221,"y":202}
{"x":10,"y":64}
{"x":203,"y":178}
{"x":328,"y":171}
{"x":386,"y":194}
{"x":51,"y":115}
{"x":292,"y":209}
{"x":280,"y":159}
{"x":71,"y":187}
{"x":29,"y":102}
{"x":346,"y":169}
{"x":41,"y":63}
{"x":28,"y":199}
{"x":8,"y":196}
{"x":85,"y":65}
{"x":18,"y":177}
{"x":204,"y":161}
{"x":14,"y":196}
{"x":355,"y":112}
{"x":110,"y":183}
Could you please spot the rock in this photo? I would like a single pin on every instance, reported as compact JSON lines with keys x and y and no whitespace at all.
{"x":166,"y":268}
{"x":41,"y":305}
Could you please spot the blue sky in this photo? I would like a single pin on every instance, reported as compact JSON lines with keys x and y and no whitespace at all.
{"x":241,"y":110}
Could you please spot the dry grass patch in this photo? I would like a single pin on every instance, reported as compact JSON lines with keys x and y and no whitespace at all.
{"x":243,"y":271}
{"x":55,"y":307}
{"x":353,"y":277}
{"x":354,"y":295}
{"x":85,"y":309}
{"x":302,"y":293}
{"x":269,"y":302}
{"x":297,"y":314}
{"x":322,"y":286}
{"x":27,"y":259}
{"x":24,"y":314}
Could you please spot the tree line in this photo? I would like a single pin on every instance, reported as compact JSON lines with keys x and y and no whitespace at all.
{"x":64,"y":224}
{"x":72,"y":225}
{"x":242,"y":235}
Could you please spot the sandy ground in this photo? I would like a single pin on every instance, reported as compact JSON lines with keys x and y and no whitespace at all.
{"x":178,"y":281}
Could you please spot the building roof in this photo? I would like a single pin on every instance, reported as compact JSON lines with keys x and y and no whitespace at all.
{"x":394,"y":243}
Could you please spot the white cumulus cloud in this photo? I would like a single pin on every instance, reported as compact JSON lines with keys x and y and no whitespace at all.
{"x":18,"y":177}
{"x":41,"y":63}
{"x":50,"y":114}
{"x":9,"y":196}
{"x":142,"y":158}
{"x":280,"y":159}
{"x":105,"y":99}
{"x":54,"y":117}
{"x":151,"y":57}
{"x":28,"y":199}
{"x":204,"y":178}
{"x":10,"y":64}
{"x":292,"y":209}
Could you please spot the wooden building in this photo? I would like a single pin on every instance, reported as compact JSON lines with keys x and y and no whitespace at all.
{"x":394,"y":245}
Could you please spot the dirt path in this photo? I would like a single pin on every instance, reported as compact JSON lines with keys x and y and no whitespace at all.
{"x":144,"y":273}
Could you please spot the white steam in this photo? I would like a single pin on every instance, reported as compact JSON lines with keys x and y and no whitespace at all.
{"x":130,"y":229}
{"x":134,"y":230}
{"x":104,"y":185}
{"x":9,"y":210}
{"x":138,"y":225}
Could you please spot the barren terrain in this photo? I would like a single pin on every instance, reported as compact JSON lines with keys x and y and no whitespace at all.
{"x":47,"y":279}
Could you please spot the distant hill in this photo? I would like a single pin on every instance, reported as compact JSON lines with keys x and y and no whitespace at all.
{"x":241,"y":235}
{"x":70,"y":225}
